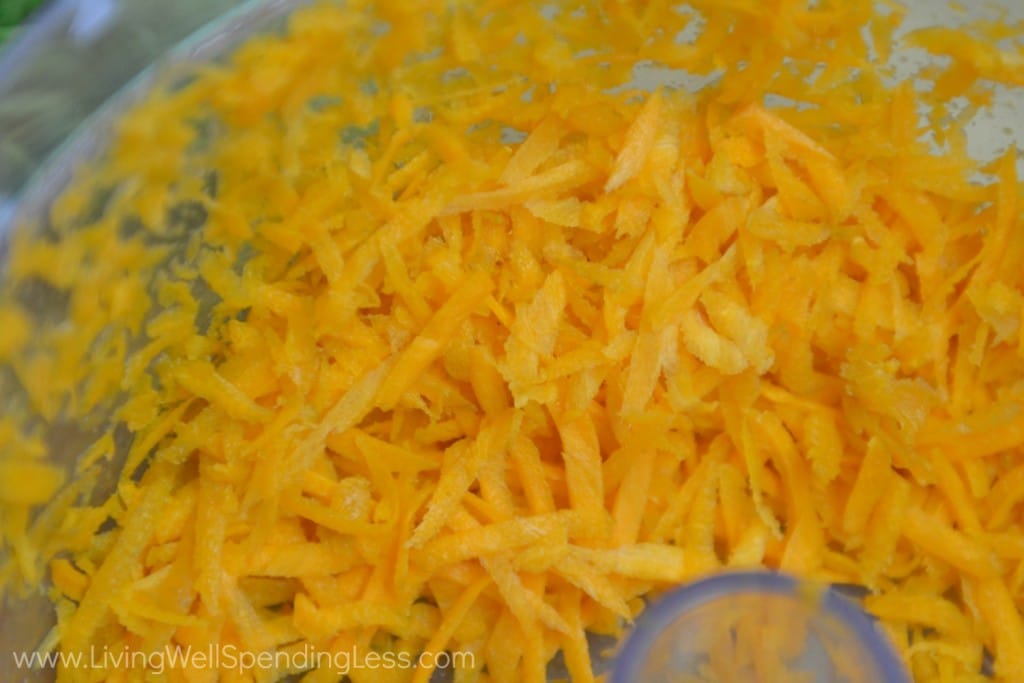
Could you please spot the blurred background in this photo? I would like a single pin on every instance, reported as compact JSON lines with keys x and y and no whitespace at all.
{"x":61,"y":59}
{"x":12,"y":13}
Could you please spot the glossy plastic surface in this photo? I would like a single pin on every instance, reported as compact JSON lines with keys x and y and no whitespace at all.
{"x":756,"y":626}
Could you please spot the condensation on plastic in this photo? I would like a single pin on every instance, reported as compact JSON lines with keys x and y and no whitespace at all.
{"x":993,"y":129}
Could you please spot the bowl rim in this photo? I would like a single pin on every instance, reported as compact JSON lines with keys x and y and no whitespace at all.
{"x":91,"y":134}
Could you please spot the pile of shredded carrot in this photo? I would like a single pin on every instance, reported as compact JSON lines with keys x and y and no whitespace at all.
{"x":420,"y":327}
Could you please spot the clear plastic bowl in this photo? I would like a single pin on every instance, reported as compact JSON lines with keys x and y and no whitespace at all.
{"x":76,"y":63}
{"x":65,"y":77}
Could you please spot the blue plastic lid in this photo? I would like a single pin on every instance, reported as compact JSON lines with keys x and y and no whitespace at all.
{"x":668,"y":637}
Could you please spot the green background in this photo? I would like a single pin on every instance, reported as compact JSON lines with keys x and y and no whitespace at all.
{"x":12,"y":13}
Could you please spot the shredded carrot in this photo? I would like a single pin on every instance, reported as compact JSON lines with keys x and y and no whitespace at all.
{"x":421,"y":328}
